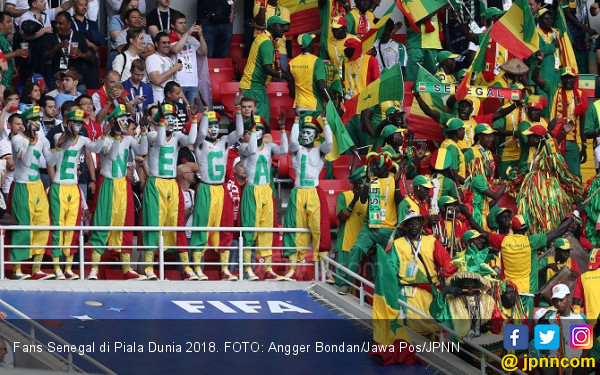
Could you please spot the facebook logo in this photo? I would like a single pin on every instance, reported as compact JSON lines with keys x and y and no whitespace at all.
{"x":546,"y":337}
{"x":516,"y":337}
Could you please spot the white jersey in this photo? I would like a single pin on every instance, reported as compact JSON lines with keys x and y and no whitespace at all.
{"x":308,"y":163}
{"x":114,"y":154}
{"x":257,"y":160}
{"x":67,"y":159}
{"x":27,"y":157}
{"x":212,"y":157}
{"x":162,"y":153}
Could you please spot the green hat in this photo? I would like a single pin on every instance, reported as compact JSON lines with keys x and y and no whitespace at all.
{"x":393,"y":109}
{"x":491,"y":12}
{"x":391,"y":129}
{"x":469,"y":235}
{"x":446,"y":199}
{"x":119,"y":111}
{"x":167,"y":109}
{"x":493,"y":215}
{"x":76,"y":115}
{"x":305,"y":39}
{"x":484,"y":128}
{"x":562,"y":243}
{"x":445,"y":55}
{"x":358,"y":173}
{"x":389,"y":151}
{"x":259,"y":120}
{"x":213,"y":117}
{"x":454,"y":124}
{"x":421,"y":180}
{"x":276,"y":19}
{"x":31,"y":113}
{"x":312,"y":122}
{"x":567,"y":70}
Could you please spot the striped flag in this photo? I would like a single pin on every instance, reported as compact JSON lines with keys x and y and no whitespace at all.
{"x":304,"y":15}
{"x":376,"y":31}
{"x":423,"y":126}
{"x":515,"y":30}
{"x":567,"y":54}
{"x":341,"y":139}
{"x":477,"y":66}
{"x":387,"y":328}
{"x":390,"y":86}
{"x":417,"y":10}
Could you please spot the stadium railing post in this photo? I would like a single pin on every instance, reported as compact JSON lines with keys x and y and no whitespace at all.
{"x":241,"y":256}
{"x":2,"y":249}
{"x":81,"y":256}
{"x":161,"y":255}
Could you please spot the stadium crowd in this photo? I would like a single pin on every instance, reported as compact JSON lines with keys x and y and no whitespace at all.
{"x":477,"y":196}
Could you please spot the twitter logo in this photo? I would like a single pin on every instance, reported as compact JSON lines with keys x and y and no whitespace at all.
{"x":547,"y":337}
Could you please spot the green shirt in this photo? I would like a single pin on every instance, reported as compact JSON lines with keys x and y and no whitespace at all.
{"x":262,"y":53}
{"x":7,"y":76}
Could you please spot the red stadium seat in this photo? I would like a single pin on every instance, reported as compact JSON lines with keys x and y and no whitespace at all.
{"x":284,"y":163}
{"x":237,"y":47}
{"x":220,"y":70}
{"x":241,"y":65}
{"x":228,"y":91}
{"x":102,"y":57}
{"x":341,"y":166}
{"x":279,"y":97}
{"x":332,"y":188}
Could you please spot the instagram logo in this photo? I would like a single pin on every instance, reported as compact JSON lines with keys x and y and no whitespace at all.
{"x":581,"y":336}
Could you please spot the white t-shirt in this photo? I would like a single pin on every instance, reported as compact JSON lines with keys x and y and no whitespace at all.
{"x":117,"y":65}
{"x":188,"y":198}
{"x":161,"y":64}
{"x":188,"y":76}
{"x":565,"y":324}
{"x":47,"y":17}
{"x":6,"y":149}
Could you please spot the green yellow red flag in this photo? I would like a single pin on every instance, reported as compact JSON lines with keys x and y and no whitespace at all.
{"x":377,"y":30}
{"x":516,"y":30}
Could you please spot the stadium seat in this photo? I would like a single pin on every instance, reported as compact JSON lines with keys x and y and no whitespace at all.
{"x":220,"y":70}
{"x":102,"y":57}
{"x":341,"y":166}
{"x":284,"y":163}
{"x":228,"y":91}
{"x":237,"y":47}
{"x":279,"y":97}
{"x":332,"y":188}
{"x":241,"y":65}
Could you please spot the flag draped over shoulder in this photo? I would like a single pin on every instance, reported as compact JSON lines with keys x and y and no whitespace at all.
{"x":419,"y":123}
{"x":567,"y":54}
{"x":477,"y":66}
{"x":341,"y":139}
{"x":376,"y":31}
{"x":516,"y":30}
{"x":390,"y":86}
{"x":388,"y":331}
{"x":416,"y":11}
{"x":304,"y":15}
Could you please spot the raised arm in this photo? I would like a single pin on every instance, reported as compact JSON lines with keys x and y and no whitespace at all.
{"x":294,"y":134}
{"x":202,"y":132}
{"x":140,"y":148}
{"x":434,"y":114}
{"x":326,"y":146}
{"x":235,"y":135}
{"x":190,"y":138}
{"x":505,"y":111}
{"x":284,"y":148}
{"x":535,"y":76}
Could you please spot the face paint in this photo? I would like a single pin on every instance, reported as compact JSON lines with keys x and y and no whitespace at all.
{"x":172,"y":122}
{"x":308,"y":136}
{"x":34,"y":126}
{"x":213,"y":130}
{"x":259,"y":133}
{"x":120,"y":125}
{"x":76,"y":126}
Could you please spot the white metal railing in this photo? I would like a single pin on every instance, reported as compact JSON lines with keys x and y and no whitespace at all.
{"x":36,"y":327}
{"x":484,"y":355}
{"x":82,"y":248}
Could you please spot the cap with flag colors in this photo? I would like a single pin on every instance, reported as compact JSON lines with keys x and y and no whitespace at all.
{"x":519,"y":222}
{"x":276,"y":19}
{"x":421,"y":180}
{"x":445,"y":55}
{"x":446,"y":199}
{"x":339,"y":21}
{"x":31,"y":113}
{"x":454,"y":124}
{"x":484,"y":129}
{"x":469,"y":235}
{"x":305,"y":39}
{"x":537,"y":130}
{"x":536,"y":101}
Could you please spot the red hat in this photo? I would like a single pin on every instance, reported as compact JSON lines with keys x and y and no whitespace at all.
{"x":594,"y":259}
{"x":519,"y":222}
{"x":537,"y":130}
{"x":352,"y":43}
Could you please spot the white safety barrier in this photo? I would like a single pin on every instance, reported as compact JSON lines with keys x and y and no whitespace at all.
{"x":82,"y":248}
{"x":443,"y":333}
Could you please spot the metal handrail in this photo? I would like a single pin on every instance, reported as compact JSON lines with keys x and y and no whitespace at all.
{"x":364,"y":282}
{"x":58,"y":339}
{"x":82,"y":247}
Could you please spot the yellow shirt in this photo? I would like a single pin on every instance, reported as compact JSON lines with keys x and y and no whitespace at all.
{"x":307,"y":69}
{"x":282,"y":12}
{"x":348,"y":231}
{"x":387,"y":187}
{"x":354,"y":19}
{"x":591,"y":283}
{"x":406,"y":255}
{"x":355,"y":74}
{"x":445,"y":78}
{"x":335,"y":49}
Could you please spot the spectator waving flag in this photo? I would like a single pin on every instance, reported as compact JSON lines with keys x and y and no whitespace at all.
{"x":416,"y":11}
{"x":567,"y":54}
{"x":515,"y":31}
{"x":376,"y":31}
{"x":477,"y":66}
{"x":390,"y":86}
{"x":388,"y":331}
{"x":419,"y":123}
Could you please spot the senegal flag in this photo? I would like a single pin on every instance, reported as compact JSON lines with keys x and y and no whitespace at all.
{"x":476,"y":66}
{"x":567,"y":54}
{"x":376,"y":31}
{"x":341,"y":139}
{"x":423,"y":126}
{"x":388,"y":331}
{"x":304,"y":15}
{"x":390,"y":86}
{"x":416,"y":11}
{"x":515,"y":30}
